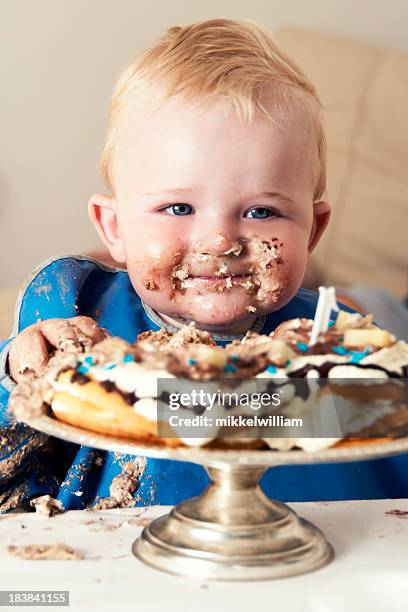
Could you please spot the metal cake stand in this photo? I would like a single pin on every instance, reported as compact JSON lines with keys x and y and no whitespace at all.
{"x":232,"y":531}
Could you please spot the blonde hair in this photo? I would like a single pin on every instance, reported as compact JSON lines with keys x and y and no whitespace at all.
{"x":220,"y":59}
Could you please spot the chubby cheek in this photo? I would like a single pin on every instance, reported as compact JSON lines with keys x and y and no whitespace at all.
{"x":150,"y":266}
{"x":151,"y":250}
{"x":292,"y":271}
{"x":278,"y":268}
{"x":151,"y":257}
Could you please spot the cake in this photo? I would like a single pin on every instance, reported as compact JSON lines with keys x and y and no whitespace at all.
{"x":119,"y":389}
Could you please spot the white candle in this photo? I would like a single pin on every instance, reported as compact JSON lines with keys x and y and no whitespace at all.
{"x":326,"y":303}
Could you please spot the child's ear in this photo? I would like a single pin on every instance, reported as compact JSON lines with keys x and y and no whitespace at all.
{"x":321,"y":217}
{"x":102,"y":211}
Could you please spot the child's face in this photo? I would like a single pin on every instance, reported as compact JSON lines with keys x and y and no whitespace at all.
{"x":214,"y":217}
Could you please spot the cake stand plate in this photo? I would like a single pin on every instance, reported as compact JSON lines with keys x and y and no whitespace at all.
{"x":232,"y":531}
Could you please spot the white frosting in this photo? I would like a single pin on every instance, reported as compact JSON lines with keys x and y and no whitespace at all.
{"x":282,"y":444}
{"x":131,"y":377}
{"x":349,"y":371}
{"x":280,"y":373}
{"x":392,"y":358}
{"x":315,"y":444}
{"x":148,"y":408}
{"x":210,"y":434}
{"x":197,"y":441}
{"x":307,"y":444}
{"x":317,"y":360}
{"x":66,"y":388}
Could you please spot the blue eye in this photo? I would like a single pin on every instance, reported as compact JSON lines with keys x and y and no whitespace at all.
{"x":180,"y":210}
{"x":260,"y":212}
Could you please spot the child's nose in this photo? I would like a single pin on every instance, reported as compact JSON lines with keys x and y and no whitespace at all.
{"x":215,"y":238}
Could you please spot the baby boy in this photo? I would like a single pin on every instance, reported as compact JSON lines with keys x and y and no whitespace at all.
{"x":215,"y":168}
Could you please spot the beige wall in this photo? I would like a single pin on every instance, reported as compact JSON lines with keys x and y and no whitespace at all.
{"x":58,"y":62}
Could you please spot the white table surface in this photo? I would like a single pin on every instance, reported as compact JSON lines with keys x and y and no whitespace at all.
{"x":369,"y":572}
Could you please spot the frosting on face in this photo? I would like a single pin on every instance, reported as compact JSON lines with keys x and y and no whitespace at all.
{"x":225,"y":281}
{"x":250,"y":265}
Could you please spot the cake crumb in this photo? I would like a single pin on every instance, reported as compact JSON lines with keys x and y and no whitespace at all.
{"x":236,"y":249}
{"x":101,"y":525}
{"x":181,"y":272}
{"x":57,"y":552}
{"x":150,"y":285}
{"x":123,"y":486}
{"x":47,"y":506}
{"x":399,"y":513}
{"x":223,"y":269}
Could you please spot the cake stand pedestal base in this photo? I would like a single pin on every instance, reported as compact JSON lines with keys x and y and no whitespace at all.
{"x":233,"y":532}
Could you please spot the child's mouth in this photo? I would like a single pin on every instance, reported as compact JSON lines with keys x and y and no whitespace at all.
{"x":219,"y":277}
{"x":254,"y":271}
{"x":219,"y":282}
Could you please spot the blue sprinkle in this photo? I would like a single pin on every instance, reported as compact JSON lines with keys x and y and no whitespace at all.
{"x":127,"y":358}
{"x":287,"y":364}
{"x":331,"y":323}
{"x":272,"y":369}
{"x":83,"y":369}
{"x":229,"y":368}
{"x":89,"y":360}
{"x":340,"y":350}
{"x":110,"y":366}
{"x":191,"y":362}
{"x":302,"y":346}
{"x":359,"y":355}
{"x":234,"y":357}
